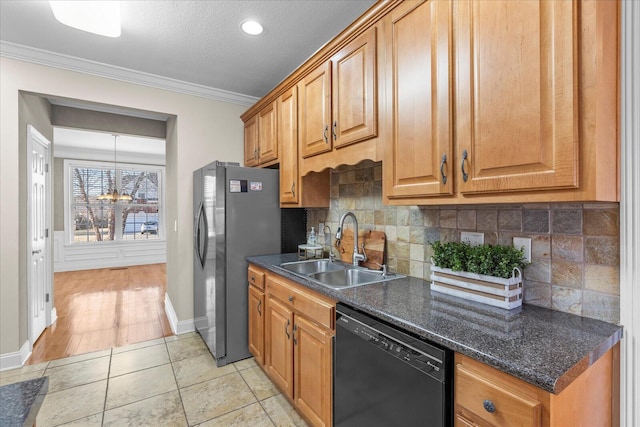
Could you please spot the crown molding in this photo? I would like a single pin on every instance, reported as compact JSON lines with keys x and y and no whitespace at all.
{"x":72,"y":63}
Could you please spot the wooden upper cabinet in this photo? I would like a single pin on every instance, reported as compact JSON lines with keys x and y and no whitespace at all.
{"x":251,"y":142}
{"x":419,"y":141}
{"x":314,"y":98}
{"x":260,"y":137}
{"x":354,"y":91}
{"x":267,"y":136}
{"x":516,"y":95}
{"x":288,"y":140}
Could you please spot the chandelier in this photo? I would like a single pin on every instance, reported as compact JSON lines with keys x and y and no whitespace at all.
{"x":113,"y":195}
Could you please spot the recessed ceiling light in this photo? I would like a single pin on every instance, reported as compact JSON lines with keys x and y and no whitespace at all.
{"x":251,"y":27}
{"x":98,"y":17}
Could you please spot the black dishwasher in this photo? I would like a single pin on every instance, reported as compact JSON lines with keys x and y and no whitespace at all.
{"x":386,"y":377}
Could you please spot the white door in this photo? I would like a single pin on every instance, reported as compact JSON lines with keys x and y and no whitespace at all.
{"x":39,"y":273}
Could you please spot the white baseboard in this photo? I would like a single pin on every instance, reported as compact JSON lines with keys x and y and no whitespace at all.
{"x":54,"y":316}
{"x":15,"y":359}
{"x":177,"y":326}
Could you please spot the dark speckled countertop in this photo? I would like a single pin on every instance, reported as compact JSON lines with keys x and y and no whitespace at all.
{"x":20,"y":402}
{"x":546,"y":348}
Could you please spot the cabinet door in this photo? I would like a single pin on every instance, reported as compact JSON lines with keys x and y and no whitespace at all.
{"x":288,"y":140}
{"x":256,"y":324}
{"x":251,"y":142}
{"x":279,"y":360}
{"x":267,"y":134}
{"x":313,"y":371}
{"x":353,"y":91}
{"x":314,"y":104}
{"x":419,"y":90}
{"x":516,"y":95}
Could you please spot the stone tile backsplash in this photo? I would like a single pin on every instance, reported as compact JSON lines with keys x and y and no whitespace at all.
{"x":575,"y":247}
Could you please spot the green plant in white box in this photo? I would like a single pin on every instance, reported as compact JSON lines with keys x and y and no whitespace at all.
{"x":491,"y":274}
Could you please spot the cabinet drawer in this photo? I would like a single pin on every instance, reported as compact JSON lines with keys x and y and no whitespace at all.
{"x":497,"y":403}
{"x":255,"y":276}
{"x":313,"y":306}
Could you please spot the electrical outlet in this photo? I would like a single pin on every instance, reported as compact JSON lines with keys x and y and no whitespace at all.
{"x":473,"y":239}
{"x":523,"y":243}
{"x":321,"y":229}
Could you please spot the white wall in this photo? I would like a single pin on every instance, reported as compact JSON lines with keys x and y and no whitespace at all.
{"x":201,"y":130}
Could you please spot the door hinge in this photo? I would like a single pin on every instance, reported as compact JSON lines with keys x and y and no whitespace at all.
{"x":46,"y":167}
{"x":46,"y":232}
{"x":46,"y":298}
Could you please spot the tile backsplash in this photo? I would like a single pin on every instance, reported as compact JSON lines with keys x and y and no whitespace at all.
{"x":575,"y":247}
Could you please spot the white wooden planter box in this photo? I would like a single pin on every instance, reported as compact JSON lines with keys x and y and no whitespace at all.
{"x":495,"y":291}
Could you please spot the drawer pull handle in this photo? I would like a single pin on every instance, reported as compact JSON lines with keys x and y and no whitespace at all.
{"x":259,"y":311}
{"x":333,"y":131}
{"x":290,"y":298}
{"x":295,"y":328}
{"x":489,"y":406}
{"x":324,"y":134}
{"x":286,"y":329}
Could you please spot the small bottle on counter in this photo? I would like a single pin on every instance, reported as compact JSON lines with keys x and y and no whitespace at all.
{"x":312,"y":240}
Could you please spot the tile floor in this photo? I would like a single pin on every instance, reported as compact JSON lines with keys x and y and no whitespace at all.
{"x":171,"y":381}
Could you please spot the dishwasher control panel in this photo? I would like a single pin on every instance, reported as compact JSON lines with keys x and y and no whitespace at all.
{"x":417,"y":353}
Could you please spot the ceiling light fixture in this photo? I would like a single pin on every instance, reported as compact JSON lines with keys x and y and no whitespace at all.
{"x":112,"y":195}
{"x":98,"y":17}
{"x":251,"y":27}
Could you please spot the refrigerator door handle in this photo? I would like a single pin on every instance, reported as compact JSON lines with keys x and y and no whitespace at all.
{"x":202,"y":253}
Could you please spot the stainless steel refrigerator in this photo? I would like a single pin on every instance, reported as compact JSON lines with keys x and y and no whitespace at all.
{"x":236,"y":214}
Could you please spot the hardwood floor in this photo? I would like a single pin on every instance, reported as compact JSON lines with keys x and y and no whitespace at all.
{"x":104,"y":308}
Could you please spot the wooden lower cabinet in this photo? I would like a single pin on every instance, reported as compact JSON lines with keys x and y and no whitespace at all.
{"x":299,"y":330}
{"x":312,"y":361}
{"x":256,"y":324}
{"x":485,"y":396}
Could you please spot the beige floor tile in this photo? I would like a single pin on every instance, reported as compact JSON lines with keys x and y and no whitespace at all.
{"x":20,"y":377}
{"x":216,"y":397}
{"x":187,"y":348}
{"x":198,"y":369}
{"x":135,"y":360}
{"x":79,"y":358}
{"x":72,"y":404}
{"x":252,"y":415}
{"x":138,"y":345}
{"x":259,"y":383}
{"x":281,"y":412}
{"x":140,"y":385}
{"x":162,"y":410}
{"x":24,"y":370}
{"x":245,"y":364}
{"x":90,"y":421}
{"x":79,"y":373}
{"x":181,"y":336}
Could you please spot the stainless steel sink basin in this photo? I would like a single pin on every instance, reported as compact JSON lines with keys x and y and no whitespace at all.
{"x":335,"y":274}
{"x":313,"y":266}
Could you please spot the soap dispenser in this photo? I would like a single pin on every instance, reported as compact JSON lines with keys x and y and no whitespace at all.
{"x":312,"y":240}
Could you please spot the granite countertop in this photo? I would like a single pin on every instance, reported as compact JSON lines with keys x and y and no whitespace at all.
{"x":546,"y":348}
{"x":20,"y":402}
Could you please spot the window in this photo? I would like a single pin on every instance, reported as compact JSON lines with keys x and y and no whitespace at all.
{"x":93,"y":220}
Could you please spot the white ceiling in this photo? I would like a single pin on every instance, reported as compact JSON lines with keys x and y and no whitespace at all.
{"x":199,"y":42}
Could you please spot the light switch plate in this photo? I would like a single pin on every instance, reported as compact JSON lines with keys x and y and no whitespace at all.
{"x":473,"y":239}
{"x":523,"y":242}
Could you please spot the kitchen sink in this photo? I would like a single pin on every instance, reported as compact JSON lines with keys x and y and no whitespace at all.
{"x":313,"y":266}
{"x":336,"y":274}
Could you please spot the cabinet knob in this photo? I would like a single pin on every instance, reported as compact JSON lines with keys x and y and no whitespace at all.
{"x":290,"y":298}
{"x":489,"y":406}
{"x":253,"y":278}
